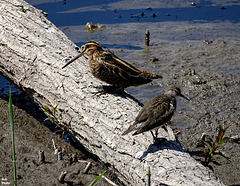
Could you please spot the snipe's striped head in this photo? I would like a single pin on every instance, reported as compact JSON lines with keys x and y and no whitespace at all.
{"x":91,"y":46}
{"x":88,"y":48}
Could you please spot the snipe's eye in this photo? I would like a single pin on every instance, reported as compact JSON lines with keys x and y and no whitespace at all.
{"x":82,"y":47}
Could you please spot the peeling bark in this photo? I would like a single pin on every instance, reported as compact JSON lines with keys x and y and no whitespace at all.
{"x":31,"y":53}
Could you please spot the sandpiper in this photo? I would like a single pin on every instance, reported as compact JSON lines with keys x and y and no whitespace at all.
{"x":157,"y":112}
{"x":105,"y":66}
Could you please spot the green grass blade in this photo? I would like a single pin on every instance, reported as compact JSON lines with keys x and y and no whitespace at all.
{"x":55,"y":110}
{"x":223,"y":140}
{"x":148,"y":177}
{"x":97,"y":178}
{"x":12,"y":131}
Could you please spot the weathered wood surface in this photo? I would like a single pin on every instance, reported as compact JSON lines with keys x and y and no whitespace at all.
{"x":31,"y":53}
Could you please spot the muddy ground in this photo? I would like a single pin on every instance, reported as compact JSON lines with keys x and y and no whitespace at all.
{"x":31,"y":136}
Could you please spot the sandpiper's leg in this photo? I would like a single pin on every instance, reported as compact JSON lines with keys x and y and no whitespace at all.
{"x":157,"y":140}
{"x":169,"y":122}
{"x":156,"y":132}
{"x":154,"y":137}
{"x":177,"y":132}
{"x":165,"y":128}
{"x":169,"y":133}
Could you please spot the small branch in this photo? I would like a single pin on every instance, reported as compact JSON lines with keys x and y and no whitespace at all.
{"x":87,"y":168}
{"x":62,"y":176}
{"x":147,"y":38}
{"x":59,"y":154}
{"x":109,"y":181}
{"x":54,"y":146}
{"x":74,"y":158}
{"x":41,"y":156}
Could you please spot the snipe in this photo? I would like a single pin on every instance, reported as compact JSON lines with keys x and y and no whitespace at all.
{"x":155,"y":113}
{"x":105,"y":66}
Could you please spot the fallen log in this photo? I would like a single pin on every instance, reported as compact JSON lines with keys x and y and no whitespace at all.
{"x":31,"y":53}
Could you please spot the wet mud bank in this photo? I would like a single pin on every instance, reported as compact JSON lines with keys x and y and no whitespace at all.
{"x":32,"y":136}
{"x":210,"y":74}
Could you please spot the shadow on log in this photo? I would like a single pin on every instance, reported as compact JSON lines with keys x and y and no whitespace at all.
{"x":31,"y":53}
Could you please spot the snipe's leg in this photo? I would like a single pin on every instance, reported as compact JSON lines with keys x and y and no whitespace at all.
{"x":104,"y":89}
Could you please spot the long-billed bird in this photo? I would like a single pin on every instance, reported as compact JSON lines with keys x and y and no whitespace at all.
{"x":107,"y":67}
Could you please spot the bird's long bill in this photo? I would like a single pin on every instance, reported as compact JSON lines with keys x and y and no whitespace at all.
{"x":184,"y":97}
{"x":72,"y":60}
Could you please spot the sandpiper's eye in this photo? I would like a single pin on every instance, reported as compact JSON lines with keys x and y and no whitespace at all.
{"x":174,"y":91}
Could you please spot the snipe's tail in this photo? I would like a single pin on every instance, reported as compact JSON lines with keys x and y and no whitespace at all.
{"x":149,"y":75}
{"x":157,"y":76}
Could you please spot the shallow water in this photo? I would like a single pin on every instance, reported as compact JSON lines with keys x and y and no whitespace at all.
{"x":107,"y":12}
{"x":4,"y":87}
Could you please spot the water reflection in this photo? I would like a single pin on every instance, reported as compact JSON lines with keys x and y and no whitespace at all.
{"x":4,"y":87}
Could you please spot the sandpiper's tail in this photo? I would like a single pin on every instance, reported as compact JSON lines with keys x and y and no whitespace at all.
{"x":130,"y":129}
